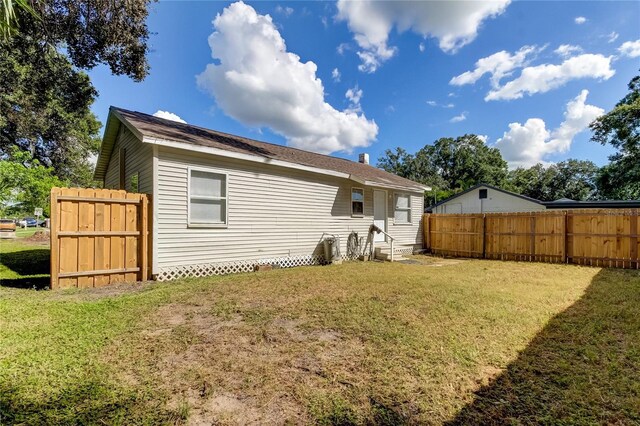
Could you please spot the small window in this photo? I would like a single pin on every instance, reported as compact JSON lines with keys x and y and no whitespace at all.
{"x":483,"y":193}
{"x":207,"y":198}
{"x":357,"y":202}
{"x":402,"y":210}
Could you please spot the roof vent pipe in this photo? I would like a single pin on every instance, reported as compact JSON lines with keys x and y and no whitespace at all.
{"x":363,"y":158}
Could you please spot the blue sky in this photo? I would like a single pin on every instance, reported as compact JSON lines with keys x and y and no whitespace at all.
{"x":396,"y":64}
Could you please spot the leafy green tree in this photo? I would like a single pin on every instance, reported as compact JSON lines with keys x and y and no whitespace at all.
{"x":448,"y":166}
{"x":25,"y":184}
{"x":44,"y":110}
{"x":620,"y":127}
{"x":45,"y":98}
{"x":9,"y":10}
{"x":466,"y":161}
{"x":573,"y":179}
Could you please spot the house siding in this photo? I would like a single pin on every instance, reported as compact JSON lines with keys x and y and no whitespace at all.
{"x":272,"y":212}
{"x":496,"y":201}
{"x":138,"y":159}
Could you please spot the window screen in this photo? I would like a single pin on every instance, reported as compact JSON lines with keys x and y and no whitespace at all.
{"x":207,"y":198}
{"x":402,"y":208}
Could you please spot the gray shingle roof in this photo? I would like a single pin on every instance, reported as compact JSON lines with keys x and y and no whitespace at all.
{"x":155,"y":127}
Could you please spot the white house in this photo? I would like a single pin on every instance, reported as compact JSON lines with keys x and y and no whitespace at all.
{"x":223,"y":203}
{"x":483,"y":198}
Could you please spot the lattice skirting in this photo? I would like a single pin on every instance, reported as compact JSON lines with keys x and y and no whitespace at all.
{"x":225,"y":268}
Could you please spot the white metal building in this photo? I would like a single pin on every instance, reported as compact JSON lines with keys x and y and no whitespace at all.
{"x":483,"y":198}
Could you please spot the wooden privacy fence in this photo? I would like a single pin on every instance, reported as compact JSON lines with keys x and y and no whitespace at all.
{"x":98,"y":237}
{"x":585,"y":237}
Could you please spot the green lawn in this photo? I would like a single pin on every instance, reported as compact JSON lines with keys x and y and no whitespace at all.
{"x":438,"y":341}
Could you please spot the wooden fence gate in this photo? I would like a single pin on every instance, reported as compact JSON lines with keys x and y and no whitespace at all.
{"x":98,"y":237}
{"x":586,"y":237}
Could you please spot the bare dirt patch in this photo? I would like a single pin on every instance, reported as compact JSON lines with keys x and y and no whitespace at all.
{"x":113,"y":290}
{"x":428,"y":260}
{"x":229,"y":370}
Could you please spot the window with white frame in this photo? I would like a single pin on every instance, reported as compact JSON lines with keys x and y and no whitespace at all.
{"x":402,"y":209}
{"x":357,"y":202}
{"x":207,"y":198}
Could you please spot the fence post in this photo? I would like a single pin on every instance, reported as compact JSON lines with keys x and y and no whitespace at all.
{"x":484,"y":236}
{"x":426,"y":231}
{"x":53,"y":237}
{"x":144,"y":237}
{"x":633,"y":250}
{"x":566,"y":237}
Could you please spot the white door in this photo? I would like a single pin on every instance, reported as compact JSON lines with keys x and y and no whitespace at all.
{"x":380,"y":213}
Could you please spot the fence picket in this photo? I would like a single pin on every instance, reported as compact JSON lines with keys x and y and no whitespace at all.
{"x":584,"y":237}
{"x":98,"y":237}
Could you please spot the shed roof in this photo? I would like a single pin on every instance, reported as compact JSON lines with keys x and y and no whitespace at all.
{"x":160,"y":131}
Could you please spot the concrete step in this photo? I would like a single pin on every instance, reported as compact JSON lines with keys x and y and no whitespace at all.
{"x":384,"y":253}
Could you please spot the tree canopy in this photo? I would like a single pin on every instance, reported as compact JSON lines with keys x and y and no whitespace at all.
{"x":45,"y":97}
{"x":452,"y":165}
{"x":620,"y":128}
{"x":449,"y":165}
{"x":25,"y":184}
{"x":572,"y":179}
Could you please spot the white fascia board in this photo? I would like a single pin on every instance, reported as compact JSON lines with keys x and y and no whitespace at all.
{"x":241,"y":156}
{"x":399,"y":187}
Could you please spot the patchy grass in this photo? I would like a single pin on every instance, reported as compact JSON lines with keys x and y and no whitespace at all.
{"x":473,"y":342}
{"x":26,"y":232}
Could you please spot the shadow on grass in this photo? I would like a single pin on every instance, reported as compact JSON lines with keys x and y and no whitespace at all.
{"x":27,"y":263}
{"x":582,"y":368}
{"x":89,"y":402}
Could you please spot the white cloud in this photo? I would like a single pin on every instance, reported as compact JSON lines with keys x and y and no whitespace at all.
{"x":527,"y":144}
{"x":630,"y":49}
{"x":499,"y":65}
{"x":168,"y":116}
{"x":257,"y":82}
{"x":458,"y":118}
{"x":421,"y":47}
{"x":483,"y":138}
{"x":545,"y":77}
{"x":453,"y":23}
{"x":436,"y":104}
{"x":566,"y":50}
{"x":286,"y":11}
{"x":354,"y":95}
{"x":612,"y":36}
{"x":335,"y":74}
{"x":342,"y":47}
{"x":580,"y":20}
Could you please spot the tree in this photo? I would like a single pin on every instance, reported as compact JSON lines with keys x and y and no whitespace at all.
{"x":113,"y":32}
{"x":620,"y":127}
{"x":466,"y":161}
{"x":44,"y":96}
{"x":448,"y":166}
{"x":573,"y":179}
{"x":9,"y":10}
{"x":44,"y":110}
{"x":25,"y":184}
